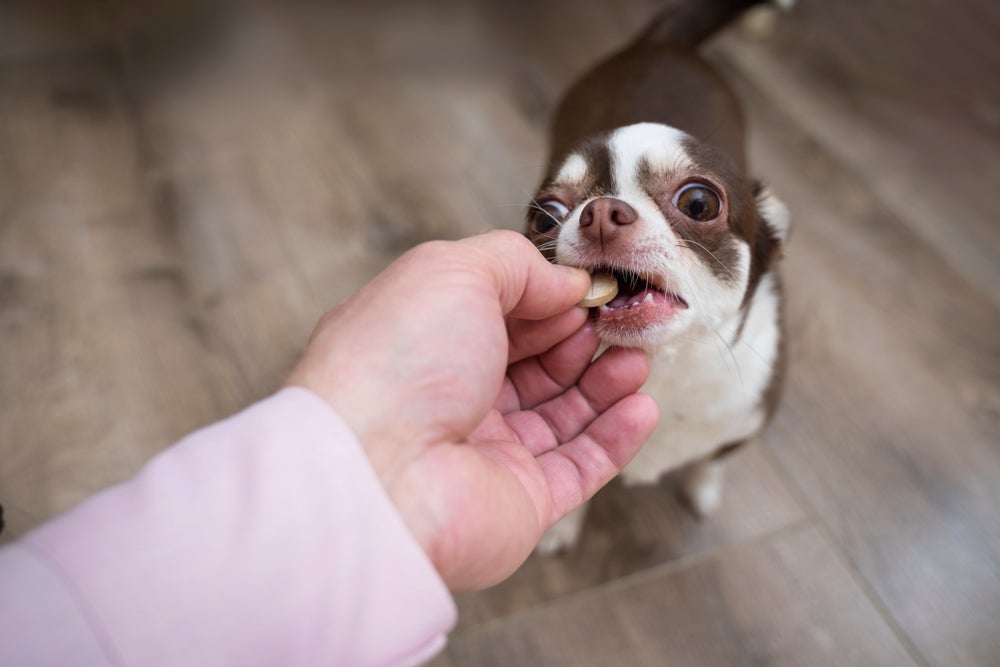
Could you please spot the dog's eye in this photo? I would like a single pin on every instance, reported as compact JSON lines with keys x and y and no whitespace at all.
{"x":698,"y":202}
{"x":549,"y":214}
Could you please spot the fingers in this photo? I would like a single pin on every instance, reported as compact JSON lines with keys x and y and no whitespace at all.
{"x":615,"y":375}
{"x":528,"y":286}
{"x":576,"y":470}
{"x":544,"y":376}
{"x":553,"y":375}
{"x":528,"y":338}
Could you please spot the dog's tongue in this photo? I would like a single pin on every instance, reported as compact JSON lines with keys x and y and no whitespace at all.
{"x":638,"y":310}
{"x":628,"y":299}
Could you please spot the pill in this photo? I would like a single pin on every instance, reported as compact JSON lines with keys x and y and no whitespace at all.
{"x":603,"y":288}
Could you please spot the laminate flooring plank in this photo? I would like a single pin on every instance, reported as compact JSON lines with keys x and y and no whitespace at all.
{"x":102,"y":363}
{"x":906,"y":94}
{"x":60,"y":119}
{"x":44,"y":30}
{"x":892,"y":410}
{"x":785,"y":600}
{"x":629,"y":530}
{"x":388,"y":161}
{"x":287,"y":187}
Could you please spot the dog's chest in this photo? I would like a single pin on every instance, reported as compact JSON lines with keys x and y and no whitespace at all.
{"x":710,"y":389}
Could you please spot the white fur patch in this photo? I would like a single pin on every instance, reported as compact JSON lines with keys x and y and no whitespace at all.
{"x":659,"y":145}
{"x":702,"y":487}
{"x":775,"y":213}
{"x":564,"y":534}
{"x":709,"y":389}
{"x":573,"y":169}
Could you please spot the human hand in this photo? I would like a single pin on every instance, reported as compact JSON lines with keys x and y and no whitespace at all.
{"x":465,"y":371}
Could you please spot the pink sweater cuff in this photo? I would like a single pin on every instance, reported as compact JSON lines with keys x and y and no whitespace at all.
{"x":264,"y":539}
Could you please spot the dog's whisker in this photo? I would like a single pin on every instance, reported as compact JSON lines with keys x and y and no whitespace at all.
{"x":727,"y":353}
{"x":688,"y":242}
{"x":750,"y":347}
{"x":538,"y":207}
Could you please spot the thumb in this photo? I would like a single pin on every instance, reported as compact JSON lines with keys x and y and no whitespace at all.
{"x":528,"y":286}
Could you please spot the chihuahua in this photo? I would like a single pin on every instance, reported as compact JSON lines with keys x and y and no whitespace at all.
{"x":647,"y":181}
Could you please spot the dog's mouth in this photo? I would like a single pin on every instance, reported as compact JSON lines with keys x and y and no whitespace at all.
{"x":641,"y":302}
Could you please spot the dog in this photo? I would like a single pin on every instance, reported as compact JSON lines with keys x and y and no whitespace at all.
{"x":647,"y":181}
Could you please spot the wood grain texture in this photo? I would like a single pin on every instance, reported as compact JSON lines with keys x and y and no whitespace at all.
{"x":784,"y":601}
{"x":906,"y":94}
{"x":629,"y":530}
{"x":102,"y":361}
{"x":890,"y":424}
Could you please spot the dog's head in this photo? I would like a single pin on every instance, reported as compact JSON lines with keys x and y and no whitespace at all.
{"x":685,"y":233}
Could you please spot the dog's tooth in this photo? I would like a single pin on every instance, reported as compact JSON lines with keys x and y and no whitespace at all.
{"x":648,"y":298}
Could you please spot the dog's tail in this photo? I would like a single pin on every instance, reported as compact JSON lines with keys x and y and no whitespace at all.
{"x":688,"y":23}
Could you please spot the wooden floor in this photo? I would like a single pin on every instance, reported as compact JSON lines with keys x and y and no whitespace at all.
{"x":178,"y":206}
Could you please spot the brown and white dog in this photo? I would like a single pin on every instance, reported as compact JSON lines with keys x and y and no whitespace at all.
{"x":647,"y":180}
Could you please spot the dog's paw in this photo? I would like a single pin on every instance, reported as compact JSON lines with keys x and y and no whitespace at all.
{"x":640,"y":475}
{"x":564,"y":534}
{"x":701,"y":489}
{"x":554,"y":543}
{"x":761,"y":22}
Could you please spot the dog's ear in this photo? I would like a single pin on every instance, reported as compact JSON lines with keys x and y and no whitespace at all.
{"x":772,"y":211}
{"x":772,"y":232}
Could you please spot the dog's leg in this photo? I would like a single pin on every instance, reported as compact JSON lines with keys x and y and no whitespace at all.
{"x":564,"y":534}
{"x":701,"y":486}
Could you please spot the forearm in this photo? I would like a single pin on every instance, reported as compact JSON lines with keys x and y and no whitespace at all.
{"x":263,"y":539}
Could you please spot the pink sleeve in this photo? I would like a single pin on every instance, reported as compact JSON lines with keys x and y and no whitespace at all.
{"x":264,"y":539}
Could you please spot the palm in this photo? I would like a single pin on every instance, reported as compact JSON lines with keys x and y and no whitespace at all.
{"x":558,"y":431}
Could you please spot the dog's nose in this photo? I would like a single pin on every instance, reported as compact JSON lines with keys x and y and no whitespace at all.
{"x":602,"y":218}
